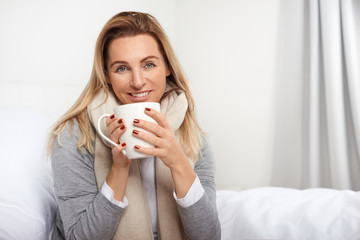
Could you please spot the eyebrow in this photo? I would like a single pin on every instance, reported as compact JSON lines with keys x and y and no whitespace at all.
{"x":142,"y":60}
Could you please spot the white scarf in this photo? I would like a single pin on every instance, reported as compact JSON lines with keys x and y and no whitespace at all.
{"x":135,"y":222}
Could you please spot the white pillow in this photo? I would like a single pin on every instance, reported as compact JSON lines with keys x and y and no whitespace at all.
{"x":283,"y":213}
{"x":27,"y":202}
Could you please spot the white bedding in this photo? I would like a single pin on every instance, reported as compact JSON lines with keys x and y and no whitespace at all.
{"x":27,"y":202}
{"x":283,"y":213}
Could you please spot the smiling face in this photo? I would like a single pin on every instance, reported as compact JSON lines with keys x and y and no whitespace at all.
{"x":137,"y":69}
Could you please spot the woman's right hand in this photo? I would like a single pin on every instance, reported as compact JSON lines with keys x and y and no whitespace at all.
{"x":118,"y":175}
{"x":116,"y":128}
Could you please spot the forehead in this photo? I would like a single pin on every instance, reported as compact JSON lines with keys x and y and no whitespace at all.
{"x":134,"y":47}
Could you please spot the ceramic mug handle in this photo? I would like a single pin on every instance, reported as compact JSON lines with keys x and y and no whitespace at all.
{"x":105,"y":137}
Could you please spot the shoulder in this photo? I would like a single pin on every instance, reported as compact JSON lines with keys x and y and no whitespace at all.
{"x":66,"y":147}
{"x":70,"y":134}
{"x":206,"y":156}
{"x":206,"y":146}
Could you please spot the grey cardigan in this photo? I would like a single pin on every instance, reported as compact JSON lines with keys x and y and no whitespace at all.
{"x":85,"y":213}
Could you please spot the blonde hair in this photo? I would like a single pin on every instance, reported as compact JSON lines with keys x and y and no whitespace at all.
{"x":127,"y":24}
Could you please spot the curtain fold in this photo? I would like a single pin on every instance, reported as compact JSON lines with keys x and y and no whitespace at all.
{"x":321,"y":141}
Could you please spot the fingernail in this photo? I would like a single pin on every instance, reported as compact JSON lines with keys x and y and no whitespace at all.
{"x":112,"y":116}
{"x":136,"y":132}
{"x":147,"y":109}
{"x":120,"y":121}
{"x":136,"y":147}
{"x":136,"y":120}
{"x":123,"y":145}
{"x":122,"y":128}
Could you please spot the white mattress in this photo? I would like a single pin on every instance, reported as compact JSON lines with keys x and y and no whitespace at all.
{"x":283,"y":213}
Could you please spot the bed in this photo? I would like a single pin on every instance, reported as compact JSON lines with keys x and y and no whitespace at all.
{"x":27,"y":202}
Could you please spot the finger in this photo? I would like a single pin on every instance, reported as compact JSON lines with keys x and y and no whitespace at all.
{"x":150,"y":138}
{"x":117,"y":133}
{"x":110,"y":122}
{"x":150,"y":127}
{"x":114,"y":125}
{"x":150,"y":151}
{"x":110,"y":119}
{"x":119,"y":150}
{"x":159,"y":117}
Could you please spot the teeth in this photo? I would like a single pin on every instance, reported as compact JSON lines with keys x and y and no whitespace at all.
{"x":140,"y":94}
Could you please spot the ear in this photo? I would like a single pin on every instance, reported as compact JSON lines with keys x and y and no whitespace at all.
{"x":168,"y":72}
{"x":107,"y":78}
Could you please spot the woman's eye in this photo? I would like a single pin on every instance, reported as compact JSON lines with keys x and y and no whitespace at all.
{"x":149,"y":65}
{"x":122,"y":69}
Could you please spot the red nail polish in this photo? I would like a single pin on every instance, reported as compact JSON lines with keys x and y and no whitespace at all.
{"x":147,"y":109}
{"x":136,"y":120}
{"x":123,"y":145}
{"x":136,"y":132}
{"x":112,"y":116}
{"x":136,"y":147}
{"x":122,"y":128}
{"x":120,"y":121}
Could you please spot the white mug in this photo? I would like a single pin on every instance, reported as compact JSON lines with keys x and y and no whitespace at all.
{"x":129,"y":112}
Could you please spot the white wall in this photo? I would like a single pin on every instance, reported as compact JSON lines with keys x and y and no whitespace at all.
{"x":227,"y":49}
{"x":47,"y":47}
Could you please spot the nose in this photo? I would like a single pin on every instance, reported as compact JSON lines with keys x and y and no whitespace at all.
{"x":137,"y":81}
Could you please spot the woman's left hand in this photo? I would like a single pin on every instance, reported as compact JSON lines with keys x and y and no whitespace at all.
{"x":167,"y":147}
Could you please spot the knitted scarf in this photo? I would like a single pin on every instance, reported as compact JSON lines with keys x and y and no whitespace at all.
{"x":135,"y":221}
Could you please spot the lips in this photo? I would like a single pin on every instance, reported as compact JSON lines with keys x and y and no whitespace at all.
{"x":140,"y":94}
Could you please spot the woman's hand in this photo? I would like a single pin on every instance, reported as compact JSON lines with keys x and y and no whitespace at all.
{"x":116,"y":128}
{"x":167,"y":148}
{"x":119,"y":172}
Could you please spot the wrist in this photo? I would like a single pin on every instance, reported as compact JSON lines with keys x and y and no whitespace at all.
{"x":120,"y":167}
{"x":179,"y":163}
{"x":183,"y":176}
{"x":183,"y":168}
{"x":117,"y":181}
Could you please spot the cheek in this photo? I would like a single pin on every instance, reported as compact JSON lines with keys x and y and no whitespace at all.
{"x":161,"y":83}
{"x":119,"y":88}
{"x":161,"y":78}
{"x":118,"y":84}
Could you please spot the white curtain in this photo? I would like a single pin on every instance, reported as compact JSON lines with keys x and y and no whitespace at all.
{"x":317,"y":132}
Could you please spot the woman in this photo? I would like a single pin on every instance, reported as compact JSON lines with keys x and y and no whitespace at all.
{"x":101,"y":193}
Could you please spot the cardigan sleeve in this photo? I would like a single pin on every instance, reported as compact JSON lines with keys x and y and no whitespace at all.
{"x":201,"y":220}
{"x":85,"y":212}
